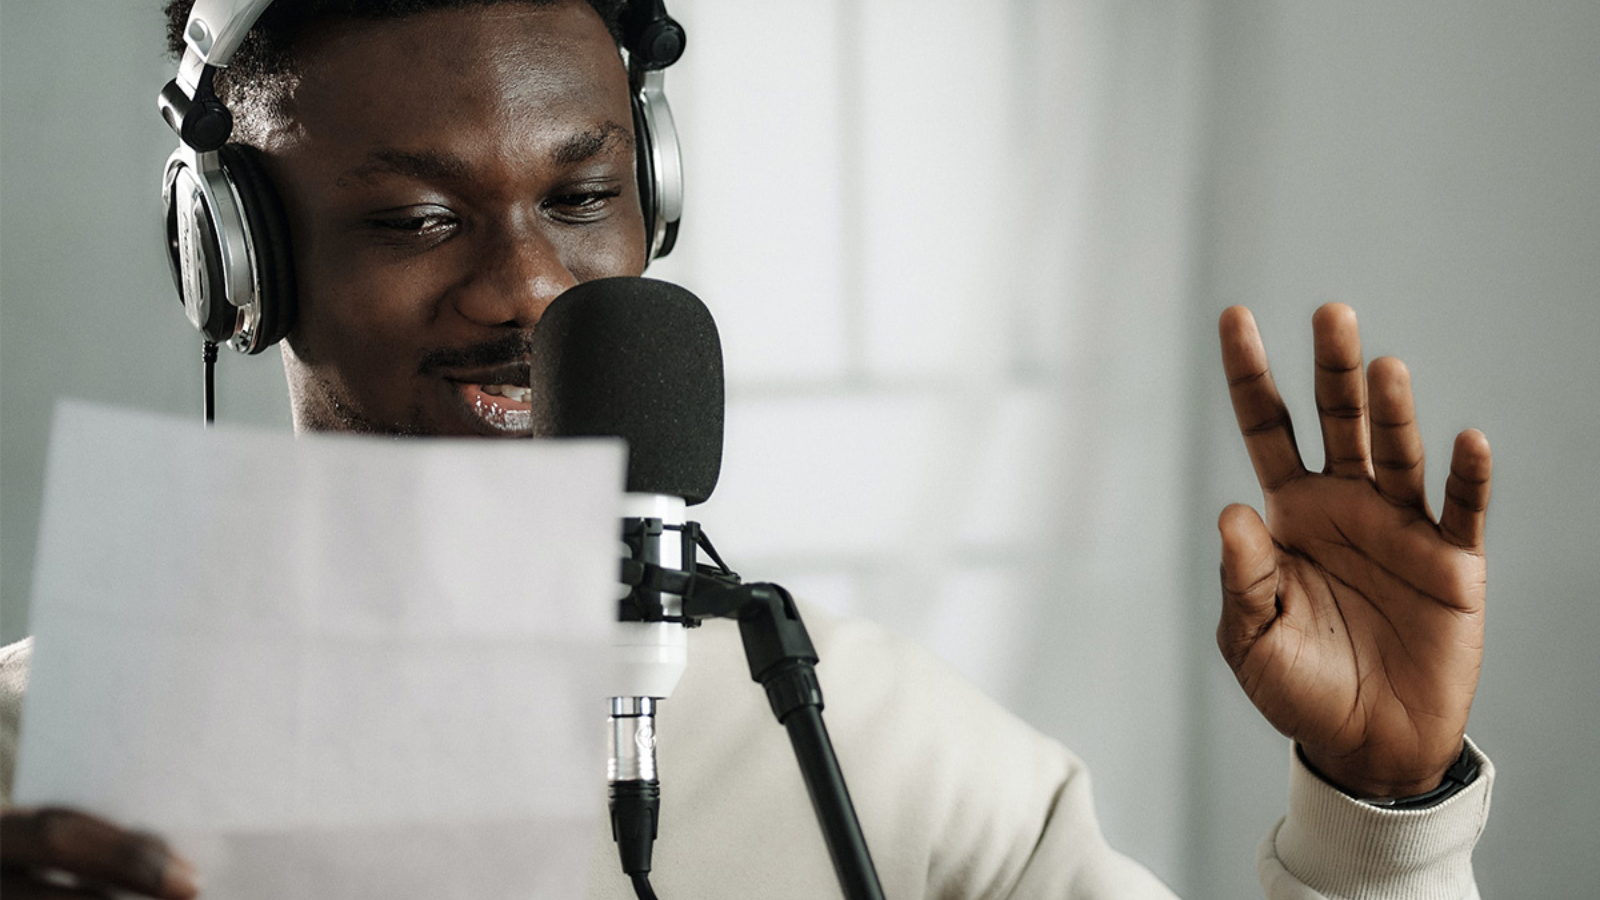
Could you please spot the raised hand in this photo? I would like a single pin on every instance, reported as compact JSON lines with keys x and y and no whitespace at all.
{"x":1351,"y":617}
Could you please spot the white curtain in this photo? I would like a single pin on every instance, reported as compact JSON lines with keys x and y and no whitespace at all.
{"x":946,"y":243}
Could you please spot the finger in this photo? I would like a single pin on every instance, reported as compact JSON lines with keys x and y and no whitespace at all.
{"x":1249,"y":582}
{"x":1397,"y":456}
{"x":1341,"y":392}
{"x":1466,"y":491}
{"x":17,"y":886}
{"x":1263,"y":419}
{"x":88,"y":847}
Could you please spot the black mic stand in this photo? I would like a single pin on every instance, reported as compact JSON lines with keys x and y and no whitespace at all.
{"x":782,"y":661}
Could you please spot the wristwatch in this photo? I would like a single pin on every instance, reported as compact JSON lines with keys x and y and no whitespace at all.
{"x":1461,"y":773}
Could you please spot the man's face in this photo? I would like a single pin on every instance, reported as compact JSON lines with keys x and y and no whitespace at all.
{"x":446,"y":175}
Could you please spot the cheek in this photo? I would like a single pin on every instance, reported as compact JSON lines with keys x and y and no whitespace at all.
{"x":617,"y":258}
{"x":348,"y":311}
{"x":604,"y":253}
{"x":351,"y":296}
{"x":357,"y":297}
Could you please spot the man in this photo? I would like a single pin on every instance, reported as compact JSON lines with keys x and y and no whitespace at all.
{"x":448,"y":171}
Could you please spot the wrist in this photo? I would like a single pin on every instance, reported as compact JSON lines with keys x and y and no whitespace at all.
{"x":1400,"y":794}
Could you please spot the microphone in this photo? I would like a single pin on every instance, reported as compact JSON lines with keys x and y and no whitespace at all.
{"x":638,"y":359}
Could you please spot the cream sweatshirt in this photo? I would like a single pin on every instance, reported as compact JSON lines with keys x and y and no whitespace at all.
{"x":958,"y":798}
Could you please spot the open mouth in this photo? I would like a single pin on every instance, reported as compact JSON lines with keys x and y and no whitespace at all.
{"x":487,"y":385}
{"x":503,"y":409}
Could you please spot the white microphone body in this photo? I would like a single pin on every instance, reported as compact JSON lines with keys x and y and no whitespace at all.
{"x":648,"y":658}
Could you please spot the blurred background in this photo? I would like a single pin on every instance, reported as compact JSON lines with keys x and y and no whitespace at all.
{"x":967,"y":257}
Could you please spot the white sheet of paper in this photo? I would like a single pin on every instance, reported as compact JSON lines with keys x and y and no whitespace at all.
{"x":328,"y":666}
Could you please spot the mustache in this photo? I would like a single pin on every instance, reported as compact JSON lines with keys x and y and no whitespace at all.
{"x":513,"y":348}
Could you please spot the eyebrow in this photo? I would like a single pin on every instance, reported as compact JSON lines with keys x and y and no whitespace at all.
{"x":586,"y":145}
{"x":434,"y":165}
{"x":423,"y":165}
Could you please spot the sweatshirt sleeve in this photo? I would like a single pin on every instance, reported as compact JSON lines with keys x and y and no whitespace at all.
{"x":14,"y":660}
{"x":1333,"y":847}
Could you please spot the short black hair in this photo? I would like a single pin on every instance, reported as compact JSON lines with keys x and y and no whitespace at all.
{"x":248,"y":85}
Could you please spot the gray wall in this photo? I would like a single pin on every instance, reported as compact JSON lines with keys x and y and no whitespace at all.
{"x":87,"y":308}
{"x":1437,"y":166}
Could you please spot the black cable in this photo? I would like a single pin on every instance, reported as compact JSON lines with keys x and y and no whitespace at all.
{"x":641,"y":887}
{"x":635,"y":818}
{"x":208,"y":354}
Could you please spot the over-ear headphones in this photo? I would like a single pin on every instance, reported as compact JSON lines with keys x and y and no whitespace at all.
{"x":227,"y":235}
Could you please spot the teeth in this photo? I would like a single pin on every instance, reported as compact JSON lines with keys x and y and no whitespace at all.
{"x":509,"y":391}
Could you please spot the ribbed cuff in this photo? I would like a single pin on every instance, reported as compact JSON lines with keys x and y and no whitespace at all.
{"x":1342,"y":848}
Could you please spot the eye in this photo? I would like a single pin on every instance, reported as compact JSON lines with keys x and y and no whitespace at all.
{"x":414,"y":223}
{"x":582,"y":205}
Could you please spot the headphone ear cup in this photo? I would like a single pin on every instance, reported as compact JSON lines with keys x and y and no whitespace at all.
{"x":194,"y":251}
{"x":660,"y":166}
{"x":644,"y":163}
{"x":271,"y":253}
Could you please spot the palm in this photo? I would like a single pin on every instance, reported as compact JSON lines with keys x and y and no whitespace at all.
{"x":1353,"y":621}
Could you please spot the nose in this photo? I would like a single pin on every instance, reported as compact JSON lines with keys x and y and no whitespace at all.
{"x":520,"y":273}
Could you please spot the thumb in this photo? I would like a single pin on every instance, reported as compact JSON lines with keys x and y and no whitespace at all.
{"x":1249,"y":582}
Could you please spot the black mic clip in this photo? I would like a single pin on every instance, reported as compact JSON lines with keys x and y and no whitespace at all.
{"x":643,"y":572}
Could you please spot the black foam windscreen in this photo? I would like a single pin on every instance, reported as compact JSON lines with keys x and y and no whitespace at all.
{"x":639,"y":359}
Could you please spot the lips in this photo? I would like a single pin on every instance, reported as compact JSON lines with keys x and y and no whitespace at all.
{"x":504,"y":409}
{"x":495,"y":401}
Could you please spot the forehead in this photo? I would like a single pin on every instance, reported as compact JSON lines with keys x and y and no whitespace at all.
{"x":517,"y":65}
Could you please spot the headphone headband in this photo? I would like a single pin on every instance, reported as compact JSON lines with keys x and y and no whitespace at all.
{"x":216,"y":28}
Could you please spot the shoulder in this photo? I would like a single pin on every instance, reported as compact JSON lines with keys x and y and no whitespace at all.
{"x":874,"y":680}
{"x":982,"y":782}
{"x":14,"y":662}
{"x":1006,"y":810}
{"x":882,"y":690}
{"x":876,"y":672}
{"x":955,"y":793}
{"x":14,"y":659}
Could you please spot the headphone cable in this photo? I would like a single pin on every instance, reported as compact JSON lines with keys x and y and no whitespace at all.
{"x":208,"y":354}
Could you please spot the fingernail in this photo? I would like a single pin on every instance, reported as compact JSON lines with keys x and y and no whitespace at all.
{"x":180,"y":879}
